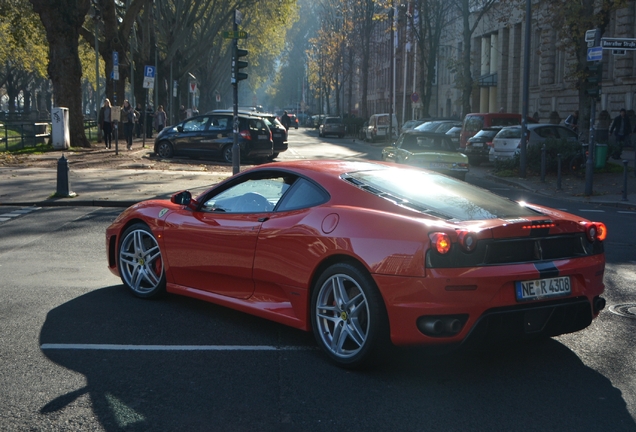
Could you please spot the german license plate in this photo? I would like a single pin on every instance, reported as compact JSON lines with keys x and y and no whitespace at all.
{"x":438,"y":165}
{"x":277,"y":135}
{"x":263,"y":137}
{"x":542,"y":288}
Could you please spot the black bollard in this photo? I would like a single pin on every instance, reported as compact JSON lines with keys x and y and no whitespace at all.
{"x":63,"y":183}
{"x":624,"y":181}
{"x":559,"y":172}
{"x":543,"y":164}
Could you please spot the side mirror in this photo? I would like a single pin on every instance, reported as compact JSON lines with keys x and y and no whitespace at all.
{"x":180,"y":128}
{"x":181,"y":198}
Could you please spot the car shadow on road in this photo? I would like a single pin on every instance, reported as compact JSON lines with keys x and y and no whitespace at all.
{"x":535,"y":386}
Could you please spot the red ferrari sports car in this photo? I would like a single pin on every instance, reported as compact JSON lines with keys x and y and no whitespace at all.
{"x":367,"y":253}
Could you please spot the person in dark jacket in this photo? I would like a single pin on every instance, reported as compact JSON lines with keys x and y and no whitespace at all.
{"x":621,"y":129}
{"x":285,"y":120}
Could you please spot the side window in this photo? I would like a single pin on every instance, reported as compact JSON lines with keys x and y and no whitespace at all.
{"x":303,"y":194}
{"x":220,"y":123}
{"x":568,"y":134}
{"x":195,"y":124}
{"x":250,"y":196}
{"x":547,"y":132}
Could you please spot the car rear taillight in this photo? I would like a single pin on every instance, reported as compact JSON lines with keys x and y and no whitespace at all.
{"x":596,"y":231}
{"x":441,"y":242}
{"x":489,"y":143}
{"x":467,"y":240}
{"x":247,"y":135}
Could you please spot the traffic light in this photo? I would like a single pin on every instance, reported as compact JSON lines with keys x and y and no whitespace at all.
{"x":594,"y":72}
{"x":237,"y":65}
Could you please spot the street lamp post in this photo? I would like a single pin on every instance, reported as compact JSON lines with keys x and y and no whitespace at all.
{"x":96,"y":15}
{"x":391,"y":14}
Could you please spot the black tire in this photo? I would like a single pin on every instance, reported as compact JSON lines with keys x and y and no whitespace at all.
{"x":346,"y":299}
{"x":140,"y":262}
{"x":474,"y":161}
{"x":274,"y":156}
{"x":226,"y":153}
{"x":165,"y":150}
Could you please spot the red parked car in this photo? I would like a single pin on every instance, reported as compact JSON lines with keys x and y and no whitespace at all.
{"x":367,"y":253}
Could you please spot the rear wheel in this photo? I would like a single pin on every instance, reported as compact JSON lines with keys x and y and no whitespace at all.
{"x":165,"y":150}
{"x":348,"y":316}
{"x":140,"y":262}
{"x":274,"y":156}
{"x":226,"y":153}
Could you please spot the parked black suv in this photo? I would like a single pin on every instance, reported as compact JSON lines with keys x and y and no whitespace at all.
{"x":211,"y":135}
{"x":478,"y":146}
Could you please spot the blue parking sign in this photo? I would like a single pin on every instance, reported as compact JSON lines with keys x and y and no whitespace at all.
{"x":149,"y":71}
{"x":115,"y":58}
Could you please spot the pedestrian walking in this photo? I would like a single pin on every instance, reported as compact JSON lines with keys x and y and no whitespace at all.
{"x":128,"y":120}
{"x":139,"y":122}
{"x":149,"y":120}
{"x":621,"y":128}
{"x":105,"y":121}
{"x":285,"y":120}
{"x":573,"y":121}
{"x":160,"y":119}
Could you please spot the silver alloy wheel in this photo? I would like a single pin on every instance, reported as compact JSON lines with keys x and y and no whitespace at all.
{"x":342,"y":316}
{"x":140,"y":262}
{"x":164,"y":150}
{"x":227,"y":153}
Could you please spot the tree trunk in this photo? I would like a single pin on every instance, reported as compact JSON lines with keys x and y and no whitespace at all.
{"x":62,"y":20}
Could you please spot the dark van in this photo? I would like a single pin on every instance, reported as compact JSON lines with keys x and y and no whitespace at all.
{"x":475,"y":122}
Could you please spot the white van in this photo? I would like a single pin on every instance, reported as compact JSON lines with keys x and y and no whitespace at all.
{"x":378,"y":127}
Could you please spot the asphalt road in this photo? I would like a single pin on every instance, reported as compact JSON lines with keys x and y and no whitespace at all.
{"x":80,"y":353}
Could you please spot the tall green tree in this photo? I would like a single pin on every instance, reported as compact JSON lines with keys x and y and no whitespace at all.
{"x":62,"y":20}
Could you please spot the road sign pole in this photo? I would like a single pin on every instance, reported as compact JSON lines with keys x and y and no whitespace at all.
{"x":236,"y":151}
{"x":589,"y":164}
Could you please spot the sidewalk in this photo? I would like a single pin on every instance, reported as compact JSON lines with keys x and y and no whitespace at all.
{"x":134,"y":179}
{"x":607,"y":188}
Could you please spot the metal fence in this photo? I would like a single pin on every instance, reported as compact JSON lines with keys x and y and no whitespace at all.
{"x":20,"y":135}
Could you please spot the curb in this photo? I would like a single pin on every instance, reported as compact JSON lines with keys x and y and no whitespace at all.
{"x":619,"y":204}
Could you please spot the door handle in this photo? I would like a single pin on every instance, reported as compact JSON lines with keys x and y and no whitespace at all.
{"x":263,"y":219}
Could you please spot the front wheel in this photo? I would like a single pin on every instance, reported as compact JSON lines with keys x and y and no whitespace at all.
{"x":140,"y":262}
{"x":348,"y":316}
{"x":165,"y":150}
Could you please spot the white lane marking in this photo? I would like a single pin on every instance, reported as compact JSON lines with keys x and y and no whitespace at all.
{"x":503,"y":189}
{"x":114,"y":347}
{"x":3,"y":219}
{"x":12,"y":215}
{"x":626,"y":212}
{"x":592,"y":211}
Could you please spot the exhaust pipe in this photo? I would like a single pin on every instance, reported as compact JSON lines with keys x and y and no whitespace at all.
{"x":433,"y":327}
{"x":599,"y":304}
{"x":452,"y":326}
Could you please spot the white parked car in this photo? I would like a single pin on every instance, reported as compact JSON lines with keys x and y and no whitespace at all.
{"x":507,"y":141}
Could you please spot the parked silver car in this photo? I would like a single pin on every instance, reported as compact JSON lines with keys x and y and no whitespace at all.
{"x":506,"y":142}
{"x":332,"y":126}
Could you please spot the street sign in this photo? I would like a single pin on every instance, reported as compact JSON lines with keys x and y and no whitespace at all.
{"x":149,"y":71}
{"x":415,"y":97}
{"x":595,"y":54}
{"x":149,"y":82}
{"x":619,"y":43}
{"x":116,"y":75}
{"x":115,"y":58}
{"x":590,"y":35}
{"x":193,"y":87}
{"x":239,"y":34}
{"x":174,"y":88}
{"x":619,"y":52}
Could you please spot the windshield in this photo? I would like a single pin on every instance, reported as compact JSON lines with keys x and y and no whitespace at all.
{"x":439,"y":195}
